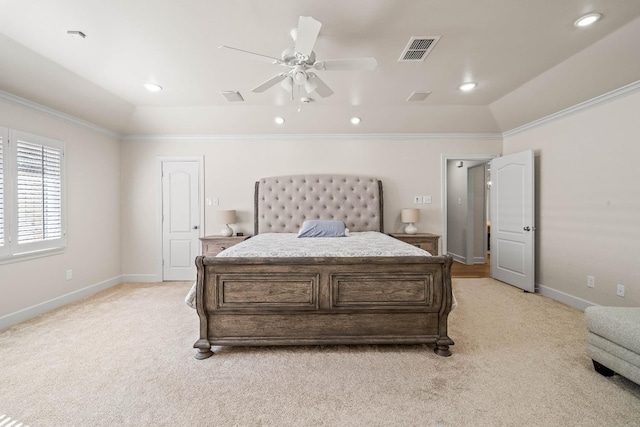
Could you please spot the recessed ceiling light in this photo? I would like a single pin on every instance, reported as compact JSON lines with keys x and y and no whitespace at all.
{"x":355,"y":120}
{"x":152,"y":87}
{"x":587,"y":20}
{"x":279,"y":120}
{"x":467,"y":86}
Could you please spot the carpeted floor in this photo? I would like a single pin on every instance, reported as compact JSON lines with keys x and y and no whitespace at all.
{"x":124,"y":357}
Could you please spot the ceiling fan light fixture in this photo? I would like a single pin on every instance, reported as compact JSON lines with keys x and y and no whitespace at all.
{"x":355,"y":120}
{"x":152,"y":87}
{"x":279,"y":120}
{"x":287,"y":84}
{"x":467,"y":86}
{"x":588,"y":19}
{"x":299,"y":76}
{"x":310,"y":85}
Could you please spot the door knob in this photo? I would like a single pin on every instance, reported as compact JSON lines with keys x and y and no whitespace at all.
{"x":527,"y":228}
{"x":195,"y":227}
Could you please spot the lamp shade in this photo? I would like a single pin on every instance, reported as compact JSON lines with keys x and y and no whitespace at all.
{"x":227,"y":217}
{"x":410,"y":215}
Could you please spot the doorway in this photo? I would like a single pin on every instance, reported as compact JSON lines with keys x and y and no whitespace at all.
{"x":465,"y":207}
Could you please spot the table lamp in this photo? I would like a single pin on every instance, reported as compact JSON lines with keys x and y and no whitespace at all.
{"x":227,"y":217}
{"x":410,"y":216}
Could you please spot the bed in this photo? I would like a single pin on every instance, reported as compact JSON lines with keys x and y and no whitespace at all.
{"x":291,"y":298}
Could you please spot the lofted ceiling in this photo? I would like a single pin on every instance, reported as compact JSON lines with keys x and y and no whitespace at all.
{"x":506,"y":46}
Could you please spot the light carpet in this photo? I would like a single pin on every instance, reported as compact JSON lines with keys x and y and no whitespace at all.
{"x":125,"y":357}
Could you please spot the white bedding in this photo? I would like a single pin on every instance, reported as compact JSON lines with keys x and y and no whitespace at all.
{"x":362,"y":244}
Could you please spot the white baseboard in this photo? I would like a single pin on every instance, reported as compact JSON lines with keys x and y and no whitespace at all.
{"x":140,"y":278}
{"x":564,"y":298}
{"x":459,"y":258}
{"x":43,"y":307}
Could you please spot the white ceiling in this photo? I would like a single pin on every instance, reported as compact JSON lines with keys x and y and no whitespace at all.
{"x":504,"y":45}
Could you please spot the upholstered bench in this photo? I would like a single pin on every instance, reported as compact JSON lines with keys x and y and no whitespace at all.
{"x":613,"y":340}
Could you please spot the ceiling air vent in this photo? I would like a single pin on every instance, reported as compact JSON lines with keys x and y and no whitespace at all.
{"x":418,"y":48}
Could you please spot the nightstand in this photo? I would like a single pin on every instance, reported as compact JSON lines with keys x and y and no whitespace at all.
{"x":426,"y":241}
{"x":213,"y":245}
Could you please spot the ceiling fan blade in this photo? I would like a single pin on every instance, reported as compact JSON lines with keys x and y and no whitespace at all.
{"x":352,"y":64}
{"x":269,"y":59}
{"x":269,"y":83}
{"x":315,"y":84}
{"x":308,"y":30}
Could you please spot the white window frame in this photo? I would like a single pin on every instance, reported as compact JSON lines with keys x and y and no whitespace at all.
{"x":11,"y":248}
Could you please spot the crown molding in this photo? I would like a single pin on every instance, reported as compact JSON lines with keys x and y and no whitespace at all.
{"x":593,"y":102}
{"x":34,"y":106}
{"x":330,"y":136}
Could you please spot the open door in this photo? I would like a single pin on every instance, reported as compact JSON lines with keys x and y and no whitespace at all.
{"x":512,"y":220}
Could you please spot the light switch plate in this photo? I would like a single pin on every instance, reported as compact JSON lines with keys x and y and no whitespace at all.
{"x":426,"y":199}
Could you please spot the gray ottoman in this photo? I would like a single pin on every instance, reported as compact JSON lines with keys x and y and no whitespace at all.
{"x":613,"y":340}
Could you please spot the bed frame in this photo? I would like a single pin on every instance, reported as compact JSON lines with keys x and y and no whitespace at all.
{"x":324,"y":300}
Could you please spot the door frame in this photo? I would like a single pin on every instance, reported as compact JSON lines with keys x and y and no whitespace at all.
{"x":443,"y":201}
{"x":160,"y":160}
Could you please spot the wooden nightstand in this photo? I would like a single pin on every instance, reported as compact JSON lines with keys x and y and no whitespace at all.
{"x":426,"y":241}
{"x":213,"y":245}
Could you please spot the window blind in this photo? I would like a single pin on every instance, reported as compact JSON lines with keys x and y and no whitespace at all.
{"x":39,"y":192}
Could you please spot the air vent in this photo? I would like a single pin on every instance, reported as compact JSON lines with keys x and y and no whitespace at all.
{"x":418,"y":96}
{"x":418,"y":48}
{"x":232,"y":95}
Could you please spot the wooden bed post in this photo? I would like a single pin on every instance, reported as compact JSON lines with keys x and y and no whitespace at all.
{"x":203,"y":345}
{"x":443,"y":342}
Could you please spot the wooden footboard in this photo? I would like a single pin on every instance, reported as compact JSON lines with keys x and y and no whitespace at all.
{"x":300,"y":301}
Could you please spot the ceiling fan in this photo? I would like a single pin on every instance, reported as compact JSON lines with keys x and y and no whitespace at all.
{"x":302,"y":63}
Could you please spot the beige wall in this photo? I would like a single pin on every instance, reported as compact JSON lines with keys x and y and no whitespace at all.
{"x":408,"y":167}
{"x":588,"y":201}
{"x":93,"y":219}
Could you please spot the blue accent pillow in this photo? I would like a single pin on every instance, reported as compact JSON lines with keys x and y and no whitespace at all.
{"x":322,"y":228}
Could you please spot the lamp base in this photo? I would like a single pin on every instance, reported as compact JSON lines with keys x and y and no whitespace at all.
{"x":226,"y":231}
{"x":410,"y":229}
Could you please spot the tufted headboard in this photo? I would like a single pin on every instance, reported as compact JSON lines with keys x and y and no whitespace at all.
{"x":283,"y":203}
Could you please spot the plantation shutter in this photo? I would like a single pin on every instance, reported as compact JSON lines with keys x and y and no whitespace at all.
{"x":38,"y":193}
{"x":3,"y":245}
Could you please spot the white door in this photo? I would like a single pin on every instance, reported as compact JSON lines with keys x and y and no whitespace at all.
{"x":180,"y":219}
{"x":512,"y":220}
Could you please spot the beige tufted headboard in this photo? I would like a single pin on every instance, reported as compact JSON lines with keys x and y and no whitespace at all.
{"x":283,"y":203}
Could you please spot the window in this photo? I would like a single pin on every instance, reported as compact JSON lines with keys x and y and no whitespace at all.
{"x":31,"y":194}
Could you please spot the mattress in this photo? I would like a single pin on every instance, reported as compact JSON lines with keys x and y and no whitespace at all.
{"x":361,"y":244}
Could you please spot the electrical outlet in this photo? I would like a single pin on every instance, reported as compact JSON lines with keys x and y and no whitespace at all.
{"x":69,"y":274}
{"x":620,"y":290}
{"x":591,"y":281}
{"x":417,"y":199}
